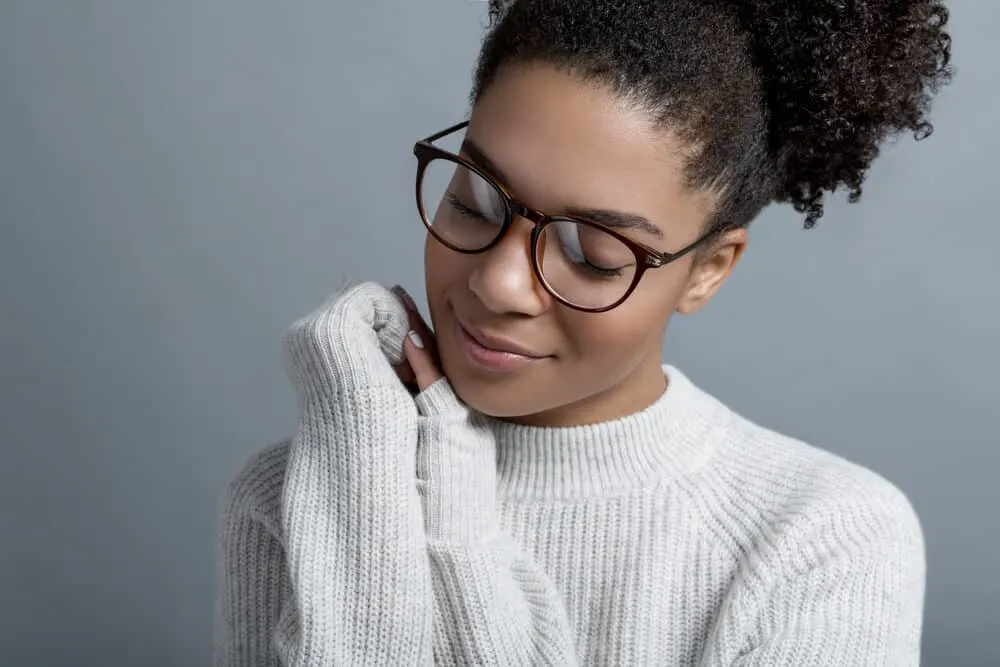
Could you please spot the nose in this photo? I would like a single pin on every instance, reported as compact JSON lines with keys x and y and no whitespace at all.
{"x":504,"y":280}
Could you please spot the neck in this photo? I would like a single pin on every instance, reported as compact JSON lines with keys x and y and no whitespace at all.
{"x":669,"y":437}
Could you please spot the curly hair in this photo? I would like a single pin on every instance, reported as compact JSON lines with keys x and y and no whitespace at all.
{"x":778,"y":101}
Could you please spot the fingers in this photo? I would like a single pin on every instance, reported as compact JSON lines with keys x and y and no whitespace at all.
{"x":417,"y":321}
{"x":420,"y":347}
{"x":424,"y":367}
{"x":406,"y":376}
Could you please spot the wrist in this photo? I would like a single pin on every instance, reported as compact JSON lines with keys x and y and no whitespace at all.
{"x":456,"y":468}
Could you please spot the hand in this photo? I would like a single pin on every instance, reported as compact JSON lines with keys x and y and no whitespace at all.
{"x":421,"y":365}
{"x":350,"y":342}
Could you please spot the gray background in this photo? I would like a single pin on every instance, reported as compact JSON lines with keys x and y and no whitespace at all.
{"x":180,"y":180}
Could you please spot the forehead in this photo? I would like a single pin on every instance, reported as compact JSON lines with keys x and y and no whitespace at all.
{"x":566,"y":143}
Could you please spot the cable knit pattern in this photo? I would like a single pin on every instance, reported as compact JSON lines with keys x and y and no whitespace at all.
{"x":398,"y":531}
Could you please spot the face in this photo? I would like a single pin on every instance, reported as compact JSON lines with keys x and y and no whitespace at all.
{"x":560,"y":145}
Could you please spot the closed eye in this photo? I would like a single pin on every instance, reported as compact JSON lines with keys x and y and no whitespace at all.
{"x":465,"y":210}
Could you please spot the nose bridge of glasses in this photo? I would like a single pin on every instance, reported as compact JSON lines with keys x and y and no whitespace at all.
{"x":520,"y":210}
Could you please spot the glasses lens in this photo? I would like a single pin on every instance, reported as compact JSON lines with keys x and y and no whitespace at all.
{"x":459,"y":206}
{"x":585,"y":265}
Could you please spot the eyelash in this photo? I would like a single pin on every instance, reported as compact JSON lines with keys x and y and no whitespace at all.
{"x":604,"y":273}
{"x":476,"y":215}
{"x":465,"y":210}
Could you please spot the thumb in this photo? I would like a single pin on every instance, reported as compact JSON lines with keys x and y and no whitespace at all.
{"x":422,"y":363}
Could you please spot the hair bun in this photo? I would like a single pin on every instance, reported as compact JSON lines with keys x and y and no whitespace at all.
{"x":841,"y":76}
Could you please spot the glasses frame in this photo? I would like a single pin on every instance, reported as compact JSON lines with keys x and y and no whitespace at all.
{"x":645,"y":257}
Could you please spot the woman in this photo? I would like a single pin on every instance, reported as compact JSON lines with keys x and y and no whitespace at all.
{"x":552,"y":494}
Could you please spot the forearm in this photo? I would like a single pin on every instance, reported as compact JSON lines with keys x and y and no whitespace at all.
{"x":253,"y":589}
{"x":350,"y":514}
{"x":493,"y":604}
{"x":355,"y":548}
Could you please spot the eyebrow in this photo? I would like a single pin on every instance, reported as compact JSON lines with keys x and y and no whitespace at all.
{"x":603,"y":217}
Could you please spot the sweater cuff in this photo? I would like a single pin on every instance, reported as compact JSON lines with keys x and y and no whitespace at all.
{"x":456,"y":469}
{"x":439,"y":399}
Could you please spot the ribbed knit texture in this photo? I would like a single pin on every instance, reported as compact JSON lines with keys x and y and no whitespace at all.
{"x":399,"y":531}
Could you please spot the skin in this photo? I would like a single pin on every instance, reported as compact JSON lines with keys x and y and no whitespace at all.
{"x":562,"y":144}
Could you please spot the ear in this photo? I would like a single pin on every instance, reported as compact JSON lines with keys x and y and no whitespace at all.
{"x":711,"y":268}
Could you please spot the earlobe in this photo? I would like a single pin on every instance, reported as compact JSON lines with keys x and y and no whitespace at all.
{"x":698,"y":294}
{"x":700,"y":287}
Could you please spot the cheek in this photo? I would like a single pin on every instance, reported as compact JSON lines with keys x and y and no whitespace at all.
{"x":431,"y":252}
{"x":628,"y":332}
{"x":618,"y":339}
{"x":443,"y":267}
{"x":444,"y":271}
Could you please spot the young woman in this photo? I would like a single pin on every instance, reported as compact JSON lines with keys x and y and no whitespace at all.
{"x":529,"y":485}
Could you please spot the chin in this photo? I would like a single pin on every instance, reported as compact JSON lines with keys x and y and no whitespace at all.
{"x":504,"y":396}
{"x":501,"y":402}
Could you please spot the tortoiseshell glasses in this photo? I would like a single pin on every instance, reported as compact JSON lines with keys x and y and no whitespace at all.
{"x":581,"y":263}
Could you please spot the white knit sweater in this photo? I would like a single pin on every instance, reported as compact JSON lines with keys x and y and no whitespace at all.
{"x":398,"y":531}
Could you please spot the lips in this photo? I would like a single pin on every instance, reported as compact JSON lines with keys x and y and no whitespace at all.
{"x":498,"y":343}
{"x":492,"y":351}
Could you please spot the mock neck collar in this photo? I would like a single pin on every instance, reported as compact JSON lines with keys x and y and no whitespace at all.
{"x":671,"y":437}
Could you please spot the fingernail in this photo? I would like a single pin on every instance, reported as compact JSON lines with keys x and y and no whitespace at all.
{"x":403,"y":295}
{"x":416,"y":340}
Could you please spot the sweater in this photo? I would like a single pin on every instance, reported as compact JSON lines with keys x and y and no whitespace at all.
{"x":400,"y":530}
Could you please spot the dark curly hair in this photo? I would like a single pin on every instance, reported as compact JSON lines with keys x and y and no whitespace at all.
{"x":778,"y":100}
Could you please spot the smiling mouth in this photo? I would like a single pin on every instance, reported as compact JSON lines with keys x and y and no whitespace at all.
{"x":487,"y":352}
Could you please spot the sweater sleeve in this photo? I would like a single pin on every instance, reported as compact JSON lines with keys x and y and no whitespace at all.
{"x":353,"y":583}
{"x":253,"y":580}
{"x":493,"y":605}
{"x":842,"y":587}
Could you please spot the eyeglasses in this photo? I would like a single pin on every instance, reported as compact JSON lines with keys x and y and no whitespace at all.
{"x":582,"y":264}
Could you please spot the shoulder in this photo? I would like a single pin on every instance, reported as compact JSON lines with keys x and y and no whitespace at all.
{"x":765,"y":489}
{"x":255,"y":491}
{"x":796,"y":483}
{"x":820,"y":553}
